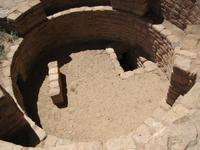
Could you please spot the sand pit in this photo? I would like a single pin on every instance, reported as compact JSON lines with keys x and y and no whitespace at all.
{"x":100,"y":104}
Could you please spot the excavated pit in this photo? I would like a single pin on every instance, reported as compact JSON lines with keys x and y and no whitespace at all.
{"x":88,"y":74}
{"x":99,"y":104}
{"x":105,"y":95}
{"x":127,"y":61}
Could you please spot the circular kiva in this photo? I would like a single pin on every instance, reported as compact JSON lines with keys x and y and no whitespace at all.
{"x":88,"y":24}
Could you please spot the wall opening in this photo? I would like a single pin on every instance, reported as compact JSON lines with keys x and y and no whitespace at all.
{"x":25,"y":136}
{"x":128,"y":61}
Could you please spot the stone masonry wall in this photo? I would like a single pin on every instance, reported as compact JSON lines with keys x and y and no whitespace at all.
{"x":100,"y":23}
{"x":186,"y":65}
{"x":182,"y":78}
{"x":181,"y":12}
{"x":11,"y":119}
{"x":55,"y":83}
{"x":9,"y":100}
{"x":20,"y":17}
{"x":132,"y":6}
{"x":97,"y":23}
{"x":54,"y":6}
{"x":104,"y":23}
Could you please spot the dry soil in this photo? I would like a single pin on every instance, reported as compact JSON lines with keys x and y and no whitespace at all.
{"x":100,"y":104}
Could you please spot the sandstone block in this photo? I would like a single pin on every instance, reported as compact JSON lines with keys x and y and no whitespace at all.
{"x":143,"y":134}
{"x":158,"y":28}
{"x":53,"y":70}
{"x":186,"y":54}
{"x":154,"y":125}
{"x":13,"y":16}
{"x":127,"y":74}
{"x":182,"y":63}
{"x":189,"y":44}
{"x":150,"y":66}
{"x":174,"y":41}
{"x":54,"y":77}
{"x":192,"y":29}
{"x":55,"y":83}
{"x":23,"y":7}
{"x":110,"y":50}
{"x":33,"y":2}
{"x":166,"y":32}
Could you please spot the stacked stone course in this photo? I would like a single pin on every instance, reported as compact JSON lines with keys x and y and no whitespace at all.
{"x":53,"y":6}
{"x":55,"y":83}
{"x":13,"y":114}
{"x":132,"y":6}
{"x":123,"y":23}
{"x":160,"y":45}
{"x":20,"y":18}
{"x":181,"y":12}
{"x":11,"y":119}
{"x":108,"y":25}
{"x":143,"y":65}
{"x":185,"y":70}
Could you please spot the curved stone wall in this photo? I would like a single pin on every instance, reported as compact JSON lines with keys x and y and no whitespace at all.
{"x":94,"y":24}
{"x":87,"y":24}
{"x":97,"y":23}
{"x":181,"y":12}
{"x":29,"y":14}
{"x":53,"y":6}
{"x":9,"y":109}
{"x":132,"y":6}
{"x":23,"y":17}
{"x":13,"y":120}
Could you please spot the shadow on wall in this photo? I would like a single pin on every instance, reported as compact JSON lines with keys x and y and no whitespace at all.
{"x":13,"y":126}
{"x":54,"y":6}
{"x":154,"y":12}
{"x":63,"y":91}
{"x":128,"y":57}
{"x":30,"y":88}
{"x":25,"y":137}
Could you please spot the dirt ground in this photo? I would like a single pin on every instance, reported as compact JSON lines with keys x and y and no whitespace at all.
{"x":100,"y":104}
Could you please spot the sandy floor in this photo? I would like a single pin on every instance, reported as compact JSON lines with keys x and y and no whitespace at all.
{"x":100,"y":104}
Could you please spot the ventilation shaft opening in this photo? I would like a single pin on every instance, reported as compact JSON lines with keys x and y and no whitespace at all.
{"x":128,"y":61}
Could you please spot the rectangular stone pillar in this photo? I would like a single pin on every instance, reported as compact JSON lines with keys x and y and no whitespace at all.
{"x":55,"y":84}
